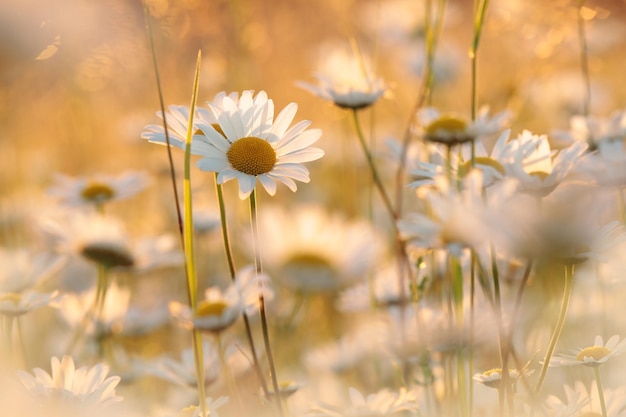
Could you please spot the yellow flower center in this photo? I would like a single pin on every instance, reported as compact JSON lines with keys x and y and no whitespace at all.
{"x":595,"y":352}
{"x":208,"y":308}
{"x":539,"y":174}
{"x":448,"y":130}
{"x":97,"y":192}
{"x":309,"y":260}
{"x":108,"y":255}
{"x":493,"y":371}
{"x":466,"y":167}
{"x":252,"y":156}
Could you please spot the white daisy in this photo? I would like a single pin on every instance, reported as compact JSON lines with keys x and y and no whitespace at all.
{"x":594,"y":355}
{"x":314,"y":250}
{"x":22,"y":269}
{"x":607,"y":166}
{"x":346,"y":80}
{"x":17,"y":304}
{"x":531,"y":161}
{"x":250,"y":145}
{"x":383,"y":403}
{"x":593,"y":130}
{"x":493,"y":377}
{"x":215,"y":313}
{"x":73,"y":385}
{"x":211,"y":408}
{"x":98,"y":189}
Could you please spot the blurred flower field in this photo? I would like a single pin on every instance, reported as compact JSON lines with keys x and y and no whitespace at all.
{"x":312,"y":208}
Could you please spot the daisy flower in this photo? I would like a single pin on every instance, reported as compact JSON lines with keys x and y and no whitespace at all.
{"x":383,"y":403}
{"x":593,"y":130}
{"x":22,"y":269}
{"x":211,"y":407}
{"x":607,"y":166}
{"x":89,"y":386}
{"x":594,"y":355}
{"x":347,"y":81}
{"x":314,"y":250}
{"x":493,"y":377}
{"x":450,"y":129}
{"x":98,"y":189}
{"x":215,"y":313}
{"x":17,"y":304}
{"x":248,"y":144}
{"x":530,"y":160}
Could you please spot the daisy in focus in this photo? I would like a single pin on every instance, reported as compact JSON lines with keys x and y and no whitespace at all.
{"x":594,"y":355}
{"x":347,"y":81}
{"x":248,"y":144}
{"x":98,"y":189}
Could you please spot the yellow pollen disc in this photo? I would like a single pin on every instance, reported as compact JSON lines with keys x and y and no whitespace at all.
{"x":446,"y":123}
{"x":493,"y":371}
{"x":308,"y":260}
{"x":539,"y":174}
{"x":217,"y":127}
{"x":210,"y":308}
{"x":595,"y":352}
{"x":97,"y":192}
{"x":466,"y":167}
{"x":11,"y":297}
{"x":252,"y":156}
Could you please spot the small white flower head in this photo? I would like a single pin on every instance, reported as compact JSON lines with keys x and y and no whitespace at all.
{"x":215,"y":313}
{"x":22,"y":269}
{"x":97,"y":190}
{"x":594,"y":130}
{"x":71,"y":385}
{"x":93,"y":236}
{"x":313,"y":250}
{"x":592,"y":356}
{"x":17,"y":304}
{"x":285,"y":389}
{"x":383,"y":403}
{"x":493,"y":377}
{"x":249,"y":145}
{"x":211,"y":408}
{"x":531,"y":161}
{"x":346,"y":80}
{"x":450,"y":129}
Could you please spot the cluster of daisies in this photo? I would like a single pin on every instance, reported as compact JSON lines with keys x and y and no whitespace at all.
{"x":434,"y":315}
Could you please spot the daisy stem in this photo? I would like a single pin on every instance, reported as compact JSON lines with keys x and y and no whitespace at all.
{"x":165,"y":127}
{"x":370,"y":161}
{"x":621,"y":205}
{"x":567,"y":294}
{"x":584,"y":60}
{"x":480,"y":11}
{"x":259,"y":269}
{"x":233,"y":273}
{"x":596,"y":372}
{"x":457,"y":294}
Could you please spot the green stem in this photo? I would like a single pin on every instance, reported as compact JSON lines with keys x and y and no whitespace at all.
{"x":370,"y":161}
{"x":259,"y":268}
{"x":480,"y":11}
{"x":457,"y":294}
{"x":504,"y":389}
{"x":233,"y":273}
{"x":567,"y":294}
{"x":596,"y":371}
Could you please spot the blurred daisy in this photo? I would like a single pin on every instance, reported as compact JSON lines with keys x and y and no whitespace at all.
{"x":211,"y":407}
{"x":286,"y":389}
{"x":95,"y":237}
{"x":98,"y":189}
{"x":314,"y":250}
{"x":84,"y":386}
{"x":17,"y":304}
{"x":383,"y":403}
{"x":451,"y":129}
{"x":593,"y":130}
{"x":215,"y":313}
{"x":23,"y":269}
{"x":493,"y":377}
{"x":615,"y":400}
{"x":346,"y":80}
{"x":250,"y":145}
{"x":554,"y":406}
{"x":594,"y":355}
{"x":248,"y":280}
{"x":607,"y":166}
{"x":531,"y":161}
